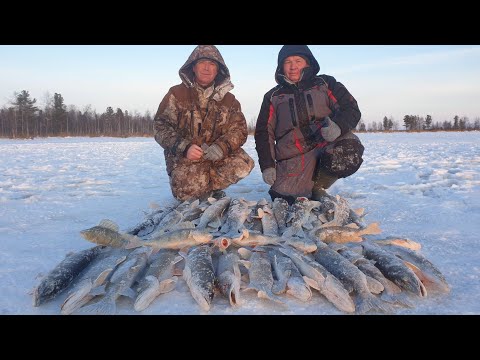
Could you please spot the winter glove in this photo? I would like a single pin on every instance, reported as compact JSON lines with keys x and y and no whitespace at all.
{"x":213,"y":153}
{"x":330,"y":130}
{"x":269,"y":175}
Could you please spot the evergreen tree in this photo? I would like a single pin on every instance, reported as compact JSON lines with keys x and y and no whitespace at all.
{"x":59,"y":115}
{"x":25,"y":107}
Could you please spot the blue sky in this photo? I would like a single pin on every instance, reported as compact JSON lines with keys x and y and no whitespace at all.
{"x":386,"y":80}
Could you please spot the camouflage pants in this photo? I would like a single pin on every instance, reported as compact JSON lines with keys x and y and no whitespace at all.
{"x":192,"y":179}
{"x":296,"y":176}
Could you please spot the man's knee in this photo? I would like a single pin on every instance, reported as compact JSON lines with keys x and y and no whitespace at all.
{"x":232,"y":169}
{"x":345,"y":160}
{"x":190,"y":182}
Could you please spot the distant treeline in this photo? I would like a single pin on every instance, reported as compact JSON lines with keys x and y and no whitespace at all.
{"x":410,"y":123}
{"x":23,"y":119}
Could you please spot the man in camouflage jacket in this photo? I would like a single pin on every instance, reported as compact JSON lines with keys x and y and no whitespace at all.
{"x":303,"y":133}
{"x":201,"y":127}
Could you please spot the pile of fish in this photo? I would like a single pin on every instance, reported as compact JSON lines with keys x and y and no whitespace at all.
{"x":225,"y":246}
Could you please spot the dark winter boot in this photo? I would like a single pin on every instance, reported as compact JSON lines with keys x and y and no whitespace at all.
{"x":321,"y":182}
{"x":218,"y":194}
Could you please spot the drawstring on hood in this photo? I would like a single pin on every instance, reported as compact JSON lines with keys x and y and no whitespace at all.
{"x":222,"y":81}
{"x":299,"y":50}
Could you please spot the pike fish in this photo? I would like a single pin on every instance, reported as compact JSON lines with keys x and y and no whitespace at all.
{"x":63,"y":274}
{"x":299,"y":215}
{"x":236,"y":216}
{"x":214,"y":213}
{"x":350,"y":275}
{"x":319,"y":278}
{"x":394,"y":269}
{"x":228,"y":275}
{"x":199,"y":275}
{"x":282,"y":269}
{"x":95,"y":275}
{"x":269,"y":222}
{"x":428,"y":273}
{"x":261,"y":277}
{"x":391,"y":292}
{"x":119,"y":284}
{"x":158,"y":279}
{"x":280,"y":211}
{"x":149,"y":224}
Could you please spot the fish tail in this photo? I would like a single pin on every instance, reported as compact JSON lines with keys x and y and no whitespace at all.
{"x":106,"y":306}
{"x":336,"y":293}
{"x":266,"y":294}
{"x":397,"y":299}
{"x":300,"y":291}
{"x":234,"y":295}
{"x":279,"y":287}
{"x":367,"y":302}
{"x":145,"y":298}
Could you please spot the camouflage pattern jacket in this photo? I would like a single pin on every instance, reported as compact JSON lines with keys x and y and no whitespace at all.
{"x":186,"y":117}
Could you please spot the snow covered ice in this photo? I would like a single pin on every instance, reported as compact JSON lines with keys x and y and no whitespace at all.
{"x":421,"y":186}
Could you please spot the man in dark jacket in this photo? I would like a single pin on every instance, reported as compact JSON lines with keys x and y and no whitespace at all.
{"x":201,"y":127}
{"x":303,"y":134}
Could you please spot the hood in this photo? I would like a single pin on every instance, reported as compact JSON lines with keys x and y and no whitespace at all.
{"x":222,"y":81}
{"x":301,"y":50}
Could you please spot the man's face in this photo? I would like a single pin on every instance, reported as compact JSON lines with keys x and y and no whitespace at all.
{"x":292,"y":67}
{"x":205,"y":71}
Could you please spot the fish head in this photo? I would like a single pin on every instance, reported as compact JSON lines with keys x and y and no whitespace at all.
{"x":89,"y":234}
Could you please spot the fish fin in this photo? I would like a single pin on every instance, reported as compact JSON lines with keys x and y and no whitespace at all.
{"x":310,"y":282}
{"x":177,"y":259}
{"x":397,"y":299}
{"x":194,"y":204}
{"x":168,"y":285}
{"x":262,"y":294}
{"x":245,"y":263}
{"x":279,"y":287}
{"x":129,"y":292}
{"x":244,"y":253}
{"x":368,"y":302}
{"x":99,"y":290}
{"x":102,"y":277}
{"x":360,"y":211}
{"x":109,"y":224}
{"x":373,"y":228}
{"x":103,"y":307}
{"x":154,"y":206}
{"x":260,"y":213}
